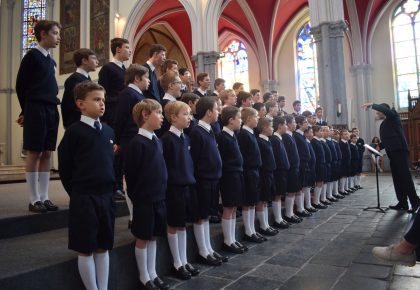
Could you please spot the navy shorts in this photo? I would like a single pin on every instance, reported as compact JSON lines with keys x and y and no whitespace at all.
{"x":252,"y":181}
{"x":149,"y":219}
{"x":179,"y":205}
{"x":293,"y":180}
{"x":91,"y":222}
{"x":267,"y":186}
{"x":204,"y":190}
{"x":232,"y":188}
{"x":280,"y":178}
{"x":40,"y":127}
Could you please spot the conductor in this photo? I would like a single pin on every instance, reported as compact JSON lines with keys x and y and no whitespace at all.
{"x":395,"y":145}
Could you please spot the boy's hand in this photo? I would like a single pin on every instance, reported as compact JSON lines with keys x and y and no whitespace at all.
{"x":366,"y":106}
{"x":20,"y":120}
{"x":116,"y":149}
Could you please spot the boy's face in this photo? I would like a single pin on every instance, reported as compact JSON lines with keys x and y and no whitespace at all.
{"x":252,"y":121}
{"x":304,"y":125}
{"x":175,"y":87}
{"x":124,"y":52}
{"x":173,"y":68}
{"x":154,"y":120}
{"x":282,"y":129}
{"x":319,"y":114}
{"x":51,"y":38}
{"x":192,"y":105}
{"x":281,"y":103}
{"x":214,"y":113}
{"x":159,"y":58}
{"x":356,"y":132}
{"x":354,"y":140}
{"x":186,"y":78}
{"x":274,"y":111}
{"x":182,"y":119}
{"x":231,"y":100}
{"x":309,"y":134}
{"x":93,"y":105}
{"x":267,"y":130}
{"x":292,"y":125}
{"x":236,"y":122}
{"x":318,"y":133}
{"x":297,"y":107}
{"x":247,"y":103}
{"x":205,"y":83}
{"x":325,"y":133}
{"x":262,"y":112}
{"x":90,"y":63}
{"x":346,"y":135}
{"x":220,"y":87}
{"x":143,"y":82}
{"x":256,"y":97}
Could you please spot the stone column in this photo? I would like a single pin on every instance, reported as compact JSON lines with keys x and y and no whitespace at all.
{"x":269,"y":85}
{"x":330,"y":59}
{"x":207,"y":62}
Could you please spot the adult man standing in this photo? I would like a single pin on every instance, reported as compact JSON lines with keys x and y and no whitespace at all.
{"x":395,"y":144}
{"x":157,"y":55}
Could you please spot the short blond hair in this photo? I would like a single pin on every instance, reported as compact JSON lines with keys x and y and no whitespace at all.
{"x":224,"y":95}
{"x":263,"y":122}
{"x":173,"y":108}
{"x":147,"y":106}
{"x":248,"y":112}
{"x":167,"y":79}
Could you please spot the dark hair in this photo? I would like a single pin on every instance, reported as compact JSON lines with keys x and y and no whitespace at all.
{"x":300,"y":119}
{"x":281,"y":98}
{"x":228,"y":112}
{"x":81,"y":54}
{"x":295,"y":103}
{"x":204,"y":104}
{"x":254,"y":91}
{"x":237,"y":85}
{"x":270,"y":104}
{"x":46,"y":26}
{"x":306,"y":113}
{"x":82,"y":89}
{"x":277,"y":121}
{"x":289,"y":119}
{"x":266,"y":96}
{"x":156,"y":48}
{"x":189,"y":97}
{"x":117,"y":42}
{"x":201,"y":76}
{"x":274,"y":92}
{"x":353,"y":136}
{"x":134,"y":70}
{"x":318,"y":109}
{"x":258,"y":106}
{"x":218,"y":82}
{"x":307,"y":130}
{"x":354,"y":129}
{"x":168,"y":63}
{"x":386,"y":105}
{"x":316,"y":128}
{"x":375,"y":138}
{"x":183,"y":70}
{"x":243,"y":96}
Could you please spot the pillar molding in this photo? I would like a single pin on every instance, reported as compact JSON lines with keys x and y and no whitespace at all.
{"x":269,"y":85}
{"x":207,"y":62}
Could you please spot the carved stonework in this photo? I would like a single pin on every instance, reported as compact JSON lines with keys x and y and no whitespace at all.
{"x":337,"y":29}
{"x":210,"y":57}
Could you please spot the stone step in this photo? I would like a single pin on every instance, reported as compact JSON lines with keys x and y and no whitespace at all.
{"x":42,"y":260}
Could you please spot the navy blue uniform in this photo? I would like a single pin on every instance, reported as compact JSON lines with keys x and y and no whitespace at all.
{"x":267,"y":184}
{"x":146,"y":177}
{"x":320,"y":160}
{"x":252,"y":163}
{"x":304,"y":157}
{"x":311,"y":165}
{"x":360,"y":150}
{"x":293,"y":181}
{"x":232,"y":182}
{"x":339,"y":158}
{"x":334,"y":161}
{"x":282,"y":165}
{"x":85,"y":163}
{"x":346,"y":158}
{"x":153,"y":91}
{"x":328,"y":161}
{"x":37,"y":90}
{"x":354,"y":163}
{"x":180,"y":203}
{"x":69,"y":111}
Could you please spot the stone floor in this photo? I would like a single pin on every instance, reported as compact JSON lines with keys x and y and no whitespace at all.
{"x":331,"y":250}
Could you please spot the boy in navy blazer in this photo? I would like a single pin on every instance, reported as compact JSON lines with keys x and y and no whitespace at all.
{"x":320,"y":170}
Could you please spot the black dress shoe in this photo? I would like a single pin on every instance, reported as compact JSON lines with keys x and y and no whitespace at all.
{"x":414,"y":208}
{"x":37,"y":207}
{"x":299,"y":218}
{"x":326,"y":202}
{"x":160,"y":284}
{"x":292,"y":219}
{"x":343,"y":193}
{"x":149,"y":286}
{"x":261,"y":237}
{"x":193,"y":270}
{"x":332,"y":199}
{"x":281,"y":225}
{"x":209,"y":260}
{"x":358,"y":187}
{"x":253,"y":239}
{"x":320,"y":206}
{"x":338,"y":196}
{"x":303,"y":214}
{"x":182,"y":273}
{"x":273,"y":230}
{"x":214,"y":219}
{"x":232,"y":248}
{"x":311,"y":209}
{"x":399,"y":206}
{"x":240,"y":245}
{"x":219,"y":257}
{"x":267,"y":232}
{"x":50,"y":206}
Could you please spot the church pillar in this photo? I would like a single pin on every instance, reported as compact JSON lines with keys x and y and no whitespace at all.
{"x":269,"y":85}
{"x":207,"y":62}
{"x":330,"y":59}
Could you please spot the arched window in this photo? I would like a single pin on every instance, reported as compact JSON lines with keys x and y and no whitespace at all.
{"x":233,"y":67}
{"x":406,"y":41}
{"x":33,"y":11}
{"x":306,"y":69}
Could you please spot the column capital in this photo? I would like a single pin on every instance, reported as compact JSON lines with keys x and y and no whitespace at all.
{"x":209,"y":57}
{"x":337,"y":29}
{"x":361,"y":67}
{"x":11,"y":4}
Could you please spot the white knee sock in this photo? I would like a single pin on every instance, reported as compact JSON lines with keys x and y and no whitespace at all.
{"x":329,"y":190}
{"x":102,"y":269}
{"x":182,"y":246}
{"x":307,"y":194}
{"x":86,"y":265}
{"x":232,"y":229}
{"x":44,"y":182}
{"x":199,"y":237}
{"x":260,"y":216}
{"x":298,"y":202}
{"x":317,"y":194}
{"x":252,"y":219}
{"x":32,"y":182}
{"x":151,"y":259}
{"x":265,"y":211}
{"x":358,"y":177}
{"x":343,"y":183}
{"x":247,"y":224}
{"x":207,"y":237}
{"x":324,"y":192}
{"x":351,"y":182}
{"x":141,"y":259}
{"x":174,"y":247}
{"x":129,"y":205}
{"x":277,"y":211}
{"x":335,"y":187}
{"x":226,"y":231}
{"x":289,"y":205}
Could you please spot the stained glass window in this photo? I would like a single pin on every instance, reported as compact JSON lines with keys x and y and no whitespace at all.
{"x":306,"y":69}
{"x":33,"y":11}
{"x":406,"y":41}
{"x":233,"y":67}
